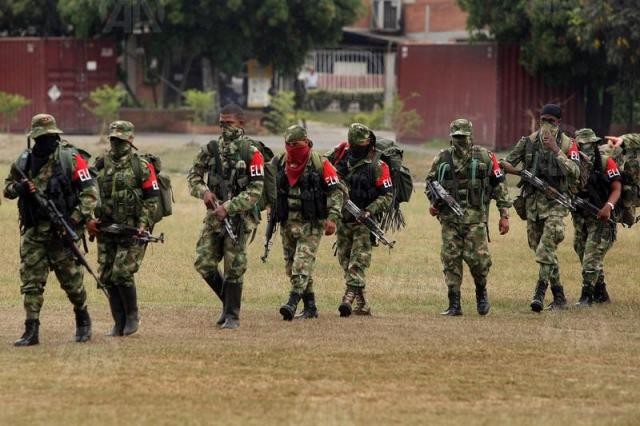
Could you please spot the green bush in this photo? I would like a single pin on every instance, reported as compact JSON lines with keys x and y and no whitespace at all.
{"x":202,"y":104}
{"x":402,"y":121}
{"x":319,"y":100}
{"x":106,"y":102}
{"x":282,"y":114}
{"x":10,"y":106}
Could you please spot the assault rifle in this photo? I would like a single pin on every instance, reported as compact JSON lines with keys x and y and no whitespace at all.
{"x":439,"y":193}
{"x":588,"y":207}
{"x":371,"y":224}
{"x":68,"y":235}
{"x":131,"y":232}
{"x":547,"y":189}
{"x":228,"y":226}
{"x":268,"y":236}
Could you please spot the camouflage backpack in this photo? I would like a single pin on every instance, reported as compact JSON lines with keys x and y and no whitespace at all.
{"x":630,"y":169}
{"x":389,"y":152}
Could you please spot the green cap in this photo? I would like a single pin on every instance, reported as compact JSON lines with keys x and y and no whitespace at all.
{"x":460,"y":126}
{"x":586,"y":136}
{"x":42,"y":124}
{"x":358,"y":134}
{"x":122,"y":130}
{"x":295,"y":133}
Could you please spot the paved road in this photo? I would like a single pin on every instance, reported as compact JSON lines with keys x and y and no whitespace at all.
{"x":324,"y":136}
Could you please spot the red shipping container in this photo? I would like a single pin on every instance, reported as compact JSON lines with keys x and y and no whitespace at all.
{"x":482,"y":82}
{"x":56,"y":75}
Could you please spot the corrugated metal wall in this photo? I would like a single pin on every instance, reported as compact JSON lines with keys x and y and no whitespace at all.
{"x":521,"y":96}
{"x":31,"y":67}
{"x":482,"y":82}
{"x":445,"y":82}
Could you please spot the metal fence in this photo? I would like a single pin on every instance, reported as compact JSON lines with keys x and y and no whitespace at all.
{"x":347,"y":70}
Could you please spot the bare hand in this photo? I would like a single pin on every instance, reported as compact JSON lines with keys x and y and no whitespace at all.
{"x":93,"y":227}
{"x":220,"y":212}
{"x":433,"y":211}
{"x":329,"y":227}
{"x":605,"y":213}
{"x":29,"y":186}
{"x":503,"y":225}
{"x":614,"y":141}
{"x":141,"y":229}
{"x":209,"y":200}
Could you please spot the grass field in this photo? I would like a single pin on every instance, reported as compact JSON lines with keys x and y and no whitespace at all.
{"x":403,"y":365}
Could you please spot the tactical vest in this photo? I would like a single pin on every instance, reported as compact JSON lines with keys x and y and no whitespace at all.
{"x":227,"y":172}
{"x":543,"y":163}
{"x":471,"y":185}
{"x":59,"y":187}
{"x":313,"y":193}
{"x":598,"y":187}
{"x":360,"y":179}
{"x":120,"y":189}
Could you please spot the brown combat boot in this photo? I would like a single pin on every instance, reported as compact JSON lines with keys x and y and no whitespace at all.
{"x":362,"y":306}
{"x":347,"y":300}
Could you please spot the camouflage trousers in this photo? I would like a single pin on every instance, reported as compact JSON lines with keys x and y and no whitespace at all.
{"x":300,"y":242}
{"x":354,"y":252}
{"x":119,"y":261}
{"x":466,"y":242}
{"x":592,"y":241}
{"x":40,"y":252}
{"x":214,"y":246}
{"x":544,"y":235}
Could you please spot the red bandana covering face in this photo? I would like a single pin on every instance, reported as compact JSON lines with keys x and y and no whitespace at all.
{"x":297,"y":157}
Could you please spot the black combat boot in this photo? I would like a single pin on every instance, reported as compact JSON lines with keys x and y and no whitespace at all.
{"x":537,"y":303}
{"x":216,"y":282}
{"x":600,"y":293}
{"x":130,"y":298}
{"x":288,"y":310}
{"x":310,"y":310}
{"x":454,"y":308}
{"x":362,"y":306}
{"x":347,"y":301}
{"x":586,"y":297}
{"x":232,"y":300}
{"x":83,"y":325}
{"x":117,"y":311}
{"x":482,"y":300}
{"x":559,"y":300}
{"x":30,"y":336}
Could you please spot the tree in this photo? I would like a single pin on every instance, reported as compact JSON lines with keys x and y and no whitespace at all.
{"x":106,"y":102}
{"x":10,"y":106}
{"x":569,"y":42}
{"x":226,"y":32}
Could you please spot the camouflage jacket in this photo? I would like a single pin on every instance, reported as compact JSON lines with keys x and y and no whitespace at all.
{"x":478,"y":179}
{"x":125,"y":197}
{"x":243,"y":178}
{"x":565,"y":166}
{"x":78,"y":175}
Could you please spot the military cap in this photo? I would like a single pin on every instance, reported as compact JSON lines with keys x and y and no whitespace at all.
{"x":122,"y":130}
{"x":42,"y":124}
{"x":552,"y":109}
{"x":460,"y":126}
{"x":586,"y":136}
{"x":358,"y":134}
{"x":295,"y":133}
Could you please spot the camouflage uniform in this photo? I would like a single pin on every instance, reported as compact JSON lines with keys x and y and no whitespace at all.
{"x":301,"y":229}
{"x":73,"y":190}
{"x":593,"y":238}
{"x":232,"y":164}
{"x":470,"y":174}
{"x":629,"y":159}
{"x":545,"y":225}
{"x":127,"y":199}
{"x":370,"y":188}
